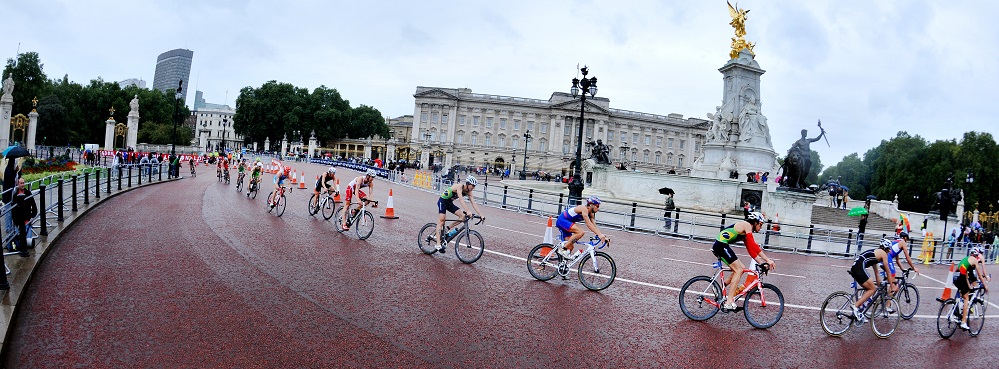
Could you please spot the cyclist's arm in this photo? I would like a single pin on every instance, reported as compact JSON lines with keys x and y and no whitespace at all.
{"x":884,"y":264}
{"x":471,"y":200}
{"x":460,"y":195}
{"x":755,"y":251}
{"x":588,"y":218}
{"x":908,"y":259}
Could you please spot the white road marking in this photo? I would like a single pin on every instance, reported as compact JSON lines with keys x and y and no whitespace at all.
{"x":653,"y":285}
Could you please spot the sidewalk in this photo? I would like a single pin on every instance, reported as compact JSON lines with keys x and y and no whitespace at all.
{"x":22,"y":269}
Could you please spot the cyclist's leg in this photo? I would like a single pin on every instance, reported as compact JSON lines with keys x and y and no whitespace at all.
{"x":724,"y":252}
{"x":864,"y":281}
{"x":576,"y":234}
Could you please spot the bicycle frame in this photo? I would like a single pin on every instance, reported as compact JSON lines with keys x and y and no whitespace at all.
{"x":590,"y":250}
{"x":361,"y":208}
{"x":465,"y":229}
{"x":719,"y":277}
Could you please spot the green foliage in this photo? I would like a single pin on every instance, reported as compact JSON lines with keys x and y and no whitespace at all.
{"x":276,"y":110}
{"x":29,"y":80}
{"x":162,"y":133}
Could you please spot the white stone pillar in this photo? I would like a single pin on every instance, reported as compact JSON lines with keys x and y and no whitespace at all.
{"x":284,"y":146}
{"x":254,"y":146}
{"x":6,"y":107}
{"x":390,"y":150}
{"x":312,"y":146}
{"x":267,"y":144}
{"x":32,"y":128}
{"x":132,"y":137}
{"x":109,"y":135}
{"x":367,"y":149}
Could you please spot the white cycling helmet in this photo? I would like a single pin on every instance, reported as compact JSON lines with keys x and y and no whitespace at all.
{"x":885,"y":244}
{"x":975,"y":251}
{"x":331,"y":170}
{"x":756,"y":217}
{"x":471,"y":180}
{"x":371,"y":172}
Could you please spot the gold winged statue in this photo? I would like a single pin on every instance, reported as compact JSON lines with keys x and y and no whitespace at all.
{"x":739,"y":23}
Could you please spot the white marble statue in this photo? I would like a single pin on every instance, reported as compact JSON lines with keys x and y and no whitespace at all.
{"x":752,"y":123}
{"x":134,"y":104}
{"x":718,"y":131}
{"x":8,"y":86}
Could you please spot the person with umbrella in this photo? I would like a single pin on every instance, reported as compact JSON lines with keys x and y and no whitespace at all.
{"x":12,"y":170}
{"x":670,"y":206}
{"x":23,"y":212}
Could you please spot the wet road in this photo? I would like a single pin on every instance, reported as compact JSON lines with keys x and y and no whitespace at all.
{"x":193,"y":274}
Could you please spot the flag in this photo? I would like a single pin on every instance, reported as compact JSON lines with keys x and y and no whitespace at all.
{"x":902,"y":219}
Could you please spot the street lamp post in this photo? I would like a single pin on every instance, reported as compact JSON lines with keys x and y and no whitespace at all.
{"x":527,"y":138}
{"x":588,"y":86}
{"x":626,"y":150}
{"x":176,"y":112}
{"x":225,"y":123}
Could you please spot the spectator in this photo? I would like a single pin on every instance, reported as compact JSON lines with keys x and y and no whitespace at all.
{"x":670,"y":206}
{"x":746,"y":209}
{"x":24,"y":210}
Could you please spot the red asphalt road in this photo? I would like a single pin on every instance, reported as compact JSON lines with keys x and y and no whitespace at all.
{"x":193,"y":274}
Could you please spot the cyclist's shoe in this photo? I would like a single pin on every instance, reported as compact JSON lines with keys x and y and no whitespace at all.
{"x":858,"y":315}
{"x":729,"y":306}
{"x":442,"y":248}
{"x":964,"y":326}
{"x":345,"y":228}
{"x":566,"y":254}
{"x":954,"y":319}
{"x":890,"y":309}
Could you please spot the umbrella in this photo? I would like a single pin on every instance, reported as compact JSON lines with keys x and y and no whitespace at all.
{"x":856,"y":212}
{"x":666,"y":191}
{"x":12,"y":152}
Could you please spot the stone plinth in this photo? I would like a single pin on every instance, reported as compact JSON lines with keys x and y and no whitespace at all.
{"x":132,"y":137}
{"x":32,"y":130}
{"x":795,"y":207}
{"x":109,"y":135}
{"x":312,"y":146}
{"x":6,"y":108}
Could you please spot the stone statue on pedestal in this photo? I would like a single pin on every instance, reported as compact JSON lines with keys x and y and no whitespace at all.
{"x":719,"y":126}
{"x":798,"y":162}
{"x":601,"y":154}
{"x":752,"y":123}
{"x":8,"y":86}
{"x":134,"y":104}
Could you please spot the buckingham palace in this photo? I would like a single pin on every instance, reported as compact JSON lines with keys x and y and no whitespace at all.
{"x":454,"y":126}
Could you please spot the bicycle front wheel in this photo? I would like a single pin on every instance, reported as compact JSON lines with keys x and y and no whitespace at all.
{"x":945,"y":327}
{"x":313,"y":204}
{"x":760,"y":315}
{"x":282,"y":202}
{"x":540,"y":268}
{"x":469,"y":246}
{"x":976,"y":317}
{"x":700,"y":298}
{"x":338,"y":219}
{"x":597,"y":272}
{"x":884,"y":316}
{"x":908,"y":301}
{"x":836,"y":314}
{"x":239,"y":186}
{"x":270,"y":199}
{"x":364,"y":225}
{"x":328,"y":206}
{"x":427,"y":238}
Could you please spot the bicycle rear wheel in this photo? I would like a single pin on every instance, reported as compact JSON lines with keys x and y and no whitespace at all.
{"x":239,"y":186}
{"x":281,"y":205}
{"x":338,"y":219}
{"x":945,"y":327}
{"x":540,"y":268}
{"x":836,"y":314}
{"x":761,"y":316}
{"x":270,"y":198}
{"x":908,"y":301}
{"x":313,"y":204}
{"x":364,"y":225}
{"x":700,"y":298}
{"x":598,"y":272}
{"x":468,"y":247}
{"x":884,"y":316}
{"x":328,"y":206}
{"x":976,"y":317}
{"x":427,"y":238}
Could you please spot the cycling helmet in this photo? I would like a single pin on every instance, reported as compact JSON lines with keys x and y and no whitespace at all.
{"x":593,"y":200}
{"x":287,"y":170}
{"x":756,"y":217}
{"x":471,"y":180}
{"x":885,"y":244}
{"x":903,"y":234}
{"x":331,"y":170}
{"x":371,"y":172}
{"x":975,"y":251}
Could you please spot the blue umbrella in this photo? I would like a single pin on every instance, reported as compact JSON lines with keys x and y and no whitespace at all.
{"x":12,"y":152}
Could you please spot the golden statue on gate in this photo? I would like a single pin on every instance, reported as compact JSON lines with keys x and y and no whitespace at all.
{"x":739,"y":23}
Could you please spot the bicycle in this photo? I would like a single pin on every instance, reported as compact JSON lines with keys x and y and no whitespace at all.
{"x":325,"y":202}
{"x":193,"y":172}
{"x":239,"y":182}
{"x":280,"y":203}
{"x":951,"y":310}
{"x":836,"y":314}
{"x":544,"y":263}
{"x":254,"y":188}
{"x":360,"y":216}
{"x":702,"y":296}
{"x":907,"y":295}
{"x":468,"y":244}
{"x":225,"y":176}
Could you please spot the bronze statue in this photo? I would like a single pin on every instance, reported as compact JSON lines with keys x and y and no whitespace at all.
{"x":600,"y":152}
{"x":798,"y":162}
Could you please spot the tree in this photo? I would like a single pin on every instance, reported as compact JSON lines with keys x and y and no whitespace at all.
{"x":852,"y":173}
{"x":29,"y":80}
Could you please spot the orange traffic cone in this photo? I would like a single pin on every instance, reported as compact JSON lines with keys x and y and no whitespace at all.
{"x":548,"y":232}
{"x":336,"y":197}
{"x":294,"y":176}
{"x":390,"y":210}
{"x":947,"y":284}
{"x":301,"y":183}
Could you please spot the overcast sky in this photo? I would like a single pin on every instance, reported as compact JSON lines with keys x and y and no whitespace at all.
{"x":868,"y":69}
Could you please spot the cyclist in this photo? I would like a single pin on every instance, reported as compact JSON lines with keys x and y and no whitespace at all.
{"x":218,"y":168}
{"x":871,"y":259}
{"x":258,"y":170}
{"x":571,"y":232}
{"x":740,"y":231}
{"x":191,"y":164}
{"x":278,"y":182}
{"x":446,"y":203}
{"x":326,"y":181}
{"x":367,"y":180}
{"x":241,"y":170}
{"x":900,"y":247}
{"x":225,"y":168}
{"x":972,"y":271}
